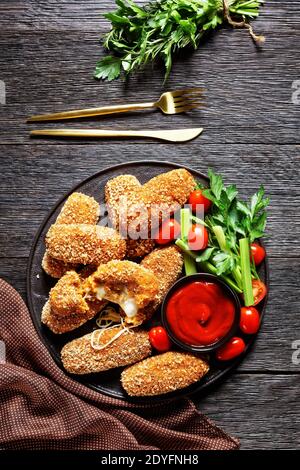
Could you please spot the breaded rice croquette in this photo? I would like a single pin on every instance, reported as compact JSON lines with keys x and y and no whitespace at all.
{"x":138,"y":248}
{"x":125,"y":186}
{"x":85,"y":244}
{"x":150,"y":203}
{"x":115,"y":190}
{"x":79,"y":357}
{"x":64,"y":324}
{"x":166,"y":264}
{"x":79,"y":209}
{"x":54,"y":267}
{"x":67,"y":297}
{"x":174,"y":186}
{"x":163,"y":374}
{"x":125,"y":283}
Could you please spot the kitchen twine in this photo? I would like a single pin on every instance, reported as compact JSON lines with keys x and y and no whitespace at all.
{"x":241,"y":24}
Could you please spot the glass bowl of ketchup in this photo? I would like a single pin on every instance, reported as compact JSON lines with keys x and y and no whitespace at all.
{"x":200,"y":312}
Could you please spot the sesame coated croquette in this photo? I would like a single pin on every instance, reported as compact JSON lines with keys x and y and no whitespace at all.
{"x":166,"y":264}
{"x":174,"y":186}
{"x":67,"y":297}
{"x":117,"y":191}
{"x":84,"y":244}
{"x":55,"y":267}
{"x":63,"y":324}
{"x":163,"y":373}
{"x":125,"y":283}
{"x":147,"y":205}
{"x":79,"y":356}
{"x":78,"y":209}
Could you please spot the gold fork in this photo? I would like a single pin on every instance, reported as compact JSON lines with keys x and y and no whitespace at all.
{"x":171,"y":102}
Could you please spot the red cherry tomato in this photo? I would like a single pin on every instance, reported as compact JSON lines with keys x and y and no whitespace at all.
{"x":196,"y":198}
{"x":249,"y":320}
{"x":159,"y":339}
{"x":258,"y":253}
{"x":169,"y":231}
{"x":197,"y":237}
{"x":259,"y":291}
{"x":233,"y":348}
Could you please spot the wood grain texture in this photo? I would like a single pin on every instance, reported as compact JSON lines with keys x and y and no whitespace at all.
{"x":48,"y":50}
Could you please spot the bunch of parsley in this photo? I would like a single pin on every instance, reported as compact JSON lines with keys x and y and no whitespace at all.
{"x":160,"y":28}
{"x":232,"y":224}
{"x":231,"y":221}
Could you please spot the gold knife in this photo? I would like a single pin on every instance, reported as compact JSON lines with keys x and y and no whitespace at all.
{"x":176,"y":135}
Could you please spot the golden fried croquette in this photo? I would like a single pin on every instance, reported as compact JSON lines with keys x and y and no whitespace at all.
{"x":163,"y":374}
{"x":54,"y":267}
{"x":84,"y":244}
{"x":79,"y":209}
{"x":66,"y":297}
{"x":117,"y":190}
{"x":145,"y":206}
{"x":79,"y":357}
{"x":125,"y":283}
{"x":166,"y":263}
{"x":138,"y":248}
{"x":64,"y":324}
{"x":174,"y":186}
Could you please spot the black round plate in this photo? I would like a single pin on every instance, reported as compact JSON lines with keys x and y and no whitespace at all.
{"x":39,"y":284}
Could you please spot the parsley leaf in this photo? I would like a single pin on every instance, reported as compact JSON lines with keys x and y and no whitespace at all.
{"x":108,"y":68}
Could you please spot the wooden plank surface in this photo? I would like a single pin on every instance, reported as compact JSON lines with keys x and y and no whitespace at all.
{"x":48,"y":50}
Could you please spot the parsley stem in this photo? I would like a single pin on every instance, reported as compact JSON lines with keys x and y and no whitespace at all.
{"x":246,"y":271}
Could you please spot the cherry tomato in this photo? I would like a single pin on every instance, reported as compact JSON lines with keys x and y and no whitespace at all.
{"x":197,"y":237}
{"x":159,"y":339}
{"x":169,"y":231}
{"x":233,"y":348}
{"x":259,"y":291}
{"x":196,"y":198}
{"x":258,"y":253}
{"x":249,"y":320}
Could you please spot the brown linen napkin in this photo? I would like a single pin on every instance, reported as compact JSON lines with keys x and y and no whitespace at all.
{"x":42,"y":408}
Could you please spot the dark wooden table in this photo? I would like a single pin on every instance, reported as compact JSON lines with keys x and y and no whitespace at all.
{"x":48,"y":50}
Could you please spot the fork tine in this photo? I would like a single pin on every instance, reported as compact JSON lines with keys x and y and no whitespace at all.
{"x":186,"y":99}
{"x":188,"y":103}
{"x":189,"y":95}
{"x":185,"y":91}
{"x":183,"y":109}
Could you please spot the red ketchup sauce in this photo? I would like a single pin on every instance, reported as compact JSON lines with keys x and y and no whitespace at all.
{"x":200,"y":313}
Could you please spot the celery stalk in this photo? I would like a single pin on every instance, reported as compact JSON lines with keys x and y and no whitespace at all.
{"x":184,"y":247}
{"x":220,"y":236}
{"x":246,"y":271}
{"x":210,"y":268}
{"x":186,"y":223}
